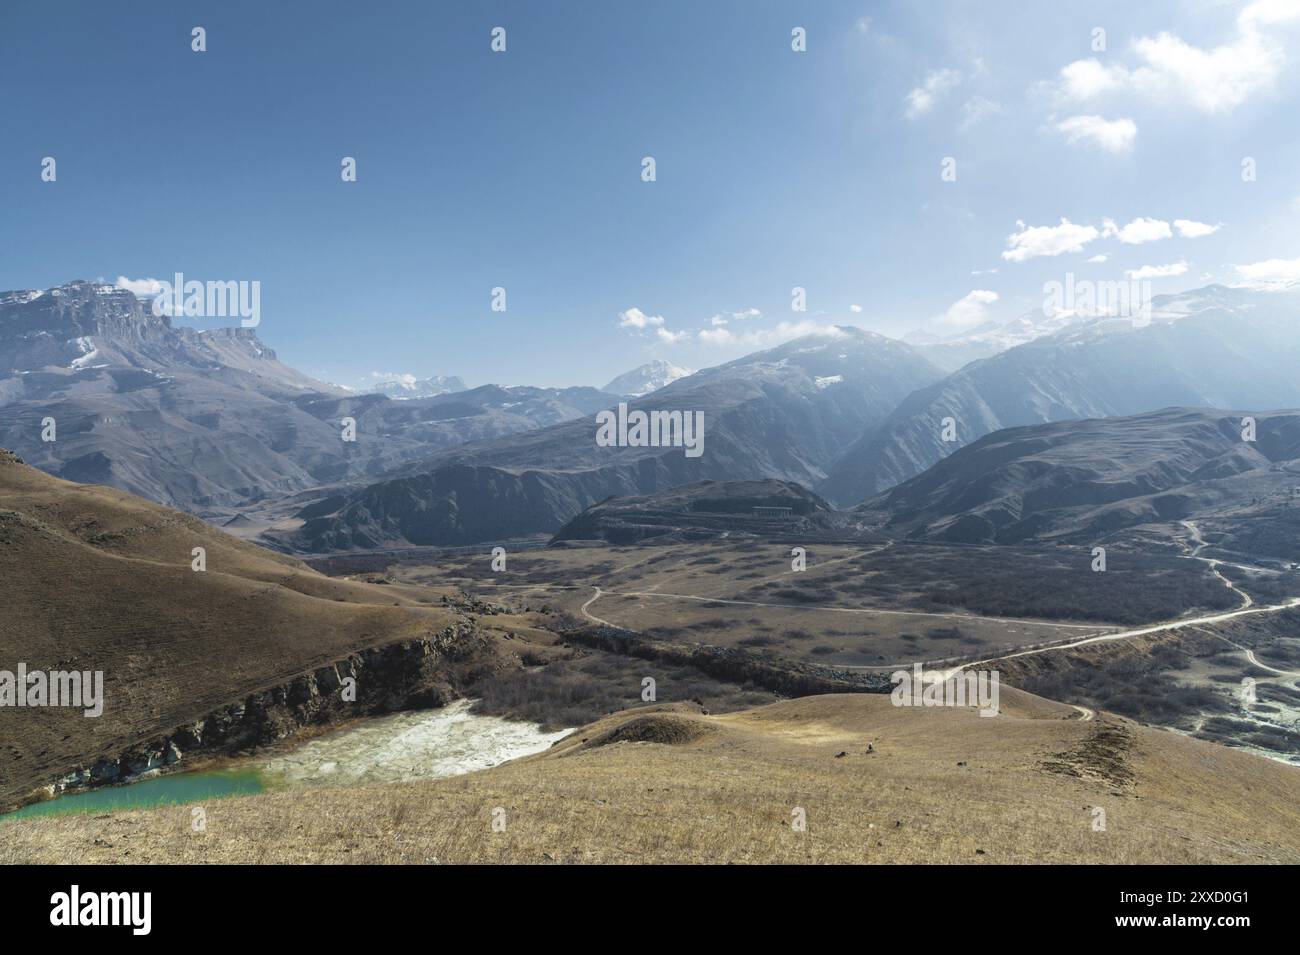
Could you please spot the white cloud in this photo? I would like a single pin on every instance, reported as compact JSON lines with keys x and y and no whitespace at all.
{"x":1113,"y":135}
{"x":863,"y":25}
{"x":670,"y":338}
{"x":756,"y":338}
{"x":1270,"y":274}
{"x":1190,"y":229}
{"x":141,"y":288}
{"x":937,"y":85}
{"x":1212,"y":80}
{"x":1098,"y":258}
{"x":638,"y":321}
{"x":635,"y":318}
{"x":722,"y":318}
{"x":1215,"y":80}
{"x":398,"y":376}
{"x":1138,"y":231}
{"x":968,"y":311}
{"x":977,"y":109}
{"x":1157,"y":271}
{"x":1032,"y":242}
{"x":1268,"y":13}
{"x":1083,"y":79}
{"x":855,"y":308}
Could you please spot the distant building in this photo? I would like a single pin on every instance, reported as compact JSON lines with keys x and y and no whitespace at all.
{"x":774,"y":512}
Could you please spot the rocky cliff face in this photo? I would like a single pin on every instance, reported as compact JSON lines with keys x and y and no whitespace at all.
{"x":84,"y":326}
{"x":412,"y":674}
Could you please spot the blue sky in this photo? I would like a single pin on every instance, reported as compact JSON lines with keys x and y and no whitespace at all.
{"x":522,"y":169}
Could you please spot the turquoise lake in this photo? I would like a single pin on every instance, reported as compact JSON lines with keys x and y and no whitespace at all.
{"x":166,"y":790}
{"x":400,"y":747}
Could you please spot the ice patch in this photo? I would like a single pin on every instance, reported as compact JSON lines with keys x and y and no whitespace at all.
{"x":429,"y":744}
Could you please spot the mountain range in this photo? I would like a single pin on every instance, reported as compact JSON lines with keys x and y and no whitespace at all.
{"x":210,"y":419}
{"x":784,"y":413}
{"x":1216,"y":347}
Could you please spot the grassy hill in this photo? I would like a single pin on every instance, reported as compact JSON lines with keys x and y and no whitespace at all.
{"x":93,"y":578}
{"x":670,"y":784}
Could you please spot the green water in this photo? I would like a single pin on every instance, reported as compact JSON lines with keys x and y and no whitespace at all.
{"x":423,"y":744}
{"x":162,"y":791}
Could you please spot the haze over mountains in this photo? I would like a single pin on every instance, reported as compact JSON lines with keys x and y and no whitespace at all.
{"x":952,"y":351}
{"x":1214,"y":347}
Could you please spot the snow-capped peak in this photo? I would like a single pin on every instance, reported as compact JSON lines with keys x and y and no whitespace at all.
{"x":647,"y":378}
{"x":401,"y":386}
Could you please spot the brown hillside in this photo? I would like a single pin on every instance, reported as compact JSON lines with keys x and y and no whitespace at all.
{"x":669,"y":784}
{"x":93,"y":578}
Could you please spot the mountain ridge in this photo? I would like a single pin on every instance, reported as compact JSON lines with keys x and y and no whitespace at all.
{"x":209,"y":419}
{"x":1212,"y":347}
{"x":783,"y":413}
{"x":1089,"y":480}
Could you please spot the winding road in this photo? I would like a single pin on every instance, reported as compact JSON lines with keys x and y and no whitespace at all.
{"x":1248,"y":607}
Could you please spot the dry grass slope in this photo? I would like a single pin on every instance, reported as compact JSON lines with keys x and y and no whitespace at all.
{"x":93,"y":578}
{"x":670,"y":784}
